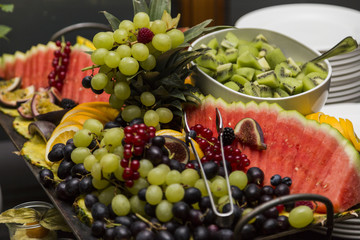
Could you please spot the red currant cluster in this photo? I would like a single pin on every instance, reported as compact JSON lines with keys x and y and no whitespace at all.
{"x":60,"y":64}
{"x":136,"y":137}
{"x":210,"y":145}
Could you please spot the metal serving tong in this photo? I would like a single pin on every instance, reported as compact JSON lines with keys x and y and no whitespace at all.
{"x":189,"y":135}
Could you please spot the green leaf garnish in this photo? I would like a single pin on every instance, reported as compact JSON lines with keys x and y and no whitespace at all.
{"x":7,"y":7}
{"x":157,"y":8}
{"x":140,"y":6}
{"x":53,"y":220}
{"x":114,"y":21}
{"x":4,"y":30}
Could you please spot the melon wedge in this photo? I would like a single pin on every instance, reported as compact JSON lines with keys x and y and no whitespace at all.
{"x":316,"y":156}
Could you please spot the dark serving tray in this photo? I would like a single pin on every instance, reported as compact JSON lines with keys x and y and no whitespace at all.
{"x":82,"y":231}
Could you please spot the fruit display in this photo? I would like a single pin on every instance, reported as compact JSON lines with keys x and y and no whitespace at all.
{"x":258,"y":68}
{"x":108,"y":138}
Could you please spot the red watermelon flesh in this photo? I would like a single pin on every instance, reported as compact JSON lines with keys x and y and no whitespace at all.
{"x":20,"y":58}
{"x":316,"y":156}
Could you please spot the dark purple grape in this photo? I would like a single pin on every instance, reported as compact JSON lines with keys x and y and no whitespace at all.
{"x":165,"y":151}
{"x":192,"y":195}
{"x":72,"y":187}
{"x":136,"y":121}
{"x":195,"y":217}
{"x":275,"y":180}
{"x":98,"y":92}
{"x":154,"y":154}
{"x":120,"y":121}
{"x":255,"y":175}
{"x":90,"y":200}
{"x":137,"y":227}
{"x":122,"y":232}
{"x":259,"y":221}
{"x":92,"y":145}
{"x":78,"y":170}
{"x":283,"y":222}
{"x":46,"y":177}
{"x":272,"y":212}
{"x":288,"y":206}
{"x":237,"y":194}
{"x":211,"y":169}
{"x":85,"y":185}
{"x":141,"y":194}
{"x":225,"y":234}
{"x":70,"y":141}
{"x":158,"y":141}
{"x":145,"y":235}
{"x":61,"y":192}
{"x":67,"y":151}
{"x":98,"y":228}
{"x":56,"y":154}
{"x":181,"y":210}
{"x":270,"y":226}
{"x":282,"y":189}
{"x":287,"y":181}
{"x":64,"y":169}
{"x":212,"y":231}
{"x":166,"y":160}
{"x":150,"y":210}
{"x":86,"y":82}
{"x":248,"y":232}
{"x":267,"y":190}
{"x":201,"y":233}
{"x":99,"y":211}
{"x":112,"y":214}
{"x":182,"y":233}
{"x":164,"y":235}
{"x":175,"y":165}
{"x":196,"y":164}
{"x":111,"y":124}
{"x":171,"y":226}
{"x":209,"y":216}
{"x":124,"y":220}
{"x":252,"y":192}
{"x":265,"y":198}
{"x":205,"y":203}
{"x":109,"y":234}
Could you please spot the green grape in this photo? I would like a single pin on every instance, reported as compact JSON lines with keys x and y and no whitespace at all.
{"x":107,"y":195}
{"x":158,"y":26}
{"x":103,"y":40}
{"x":79,"y":154}
{"x":156,"y":176}
{"x":172,"y":177}
{"x":99,"y":81}
{"x":115,"y":102}
{"x":94,"y":126}
{"x":301,"y":216}
{"x":109,"y":89}
{"x":130,"y":112}
{"x":82,"y":138}
{"x":118,"y":173}
{"x":189,"y":177}
{"x":239,"y":179}
{"x":165,"y":115}
{"x":161,"y":42}
{"x":141,"y":20}
{"x":174,"y":192}
{"x":177,"y":37}
{"x":137,"y":206}
{"x":147,"y":98}
{"x":89,"y":162}
{"x":96,"y":171}
{"x":106,"y":175}
{"x":154,"y":194}
{"x":246,"y":211}
{"x":163,"y":211}
{"x":99,"y":153}
{"x":120,"y":205}
{"x":139,"y":51}
{"x":164,"y":167}
{"x":122,"y":90}
{"x":151,"y":118}
{"x":100,"y":184}
{"x":98,"y":56}
{"x":112,"y":59}
{"x":149,"y":63}
{"x":219,"y":188}
{"x":103,"y":68}
{"x":128,"y":66}
{"x":127,"y":25}
{"x":121,"y":35}
{"x":119,"y":150}
{"x":152,"y":50}
{"x":145,"y":167}
{"x":124,"y":51}
{"x":138,"y":184}
{"x":222,"y":201}
{"x":200,"y":184}
{"x":110,"y":162}
{"x":114,"y":136}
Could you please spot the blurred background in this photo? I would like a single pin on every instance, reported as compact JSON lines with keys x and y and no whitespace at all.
{"x":35,"y":21}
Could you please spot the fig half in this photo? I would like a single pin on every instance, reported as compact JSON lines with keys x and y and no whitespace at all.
{"x":178,"y":149}
{"x":249,"y":132}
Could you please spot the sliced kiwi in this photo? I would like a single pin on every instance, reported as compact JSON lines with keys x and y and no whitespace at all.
{"x":312,"y":80}
{"x":275,"y":57}
{"x":231,"y":55}
{"x":209,"y":72}
{"x":291,"y":85}
{"x":232,"y":85}
{"x":250,"y":48}
{"x":227,"y":44}
{"x":208,"y":60}
{"x":239,"y":79}
{"x":264,"y":64}
{"x":246,"y":72}
{"x":265,"y":91}
{"x":224,"y":72}
{"x":232,"y":38}
{"x":214,"y":44}
{"x":279,"y":93}
{"x":268,"y":78}
{"x":282,"y":72}
{"x":313,"y":67}
{"x":251,"y":89}
{"x":247,"y":59}
{"x":291,"y":65}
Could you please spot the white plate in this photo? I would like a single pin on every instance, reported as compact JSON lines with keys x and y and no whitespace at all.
{"x":343,"y":82}
{"x":341,"y":72}
{"x":354,"y":75}
{"x":319,"y":26}
{"x":346,"y":67}
{"x":349,"y":111}
{"x":344,"y":87}
{"x":345,"y":55}
{"x":347,"y":92}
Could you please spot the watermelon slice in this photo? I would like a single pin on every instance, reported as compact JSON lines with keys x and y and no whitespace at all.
{"x":316,"y":156}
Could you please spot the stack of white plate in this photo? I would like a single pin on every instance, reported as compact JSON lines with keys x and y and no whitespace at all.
{"x":319,"y":26}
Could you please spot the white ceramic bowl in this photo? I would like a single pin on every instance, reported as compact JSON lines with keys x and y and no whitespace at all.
{"x":307,"y":102}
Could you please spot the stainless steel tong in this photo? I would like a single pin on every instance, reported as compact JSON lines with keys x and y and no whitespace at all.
{"x":189,"y":135}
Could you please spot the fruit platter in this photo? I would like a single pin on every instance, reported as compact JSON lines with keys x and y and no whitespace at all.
{"x":127,"y":146}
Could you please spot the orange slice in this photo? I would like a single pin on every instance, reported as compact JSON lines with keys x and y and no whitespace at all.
{"x":99,"y":108}
{"x":181,"y":136}
{"x":332,"y":121}
{"x":352,"y":135}
{"x":315,"y":116}
{"x":81,"y":117}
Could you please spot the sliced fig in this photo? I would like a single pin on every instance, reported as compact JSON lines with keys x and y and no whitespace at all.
{"x":178,"y":149}
{"x":10,"y":84}
{"x":15,"y":98}
{"x":249,"y":132}
{"x":56,"y":94}
{"x":43,"y":102}
{"x":43,"y":128}
{"x":25,"y":110}
{"x":54,"y":116}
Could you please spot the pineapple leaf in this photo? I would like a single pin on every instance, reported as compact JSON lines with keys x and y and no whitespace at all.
{"x":178,"y":94}
{"x":176,"y":104}
{"x":157,"y":8}
{"x":162,"y":60}
{"x":140,"y":6}
{"x":114,"y":21}
{"x":161,"y":91}
{"x":195,"y":31}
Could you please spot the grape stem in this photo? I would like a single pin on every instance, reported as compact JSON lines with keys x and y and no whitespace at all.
{"x":156,"y":226}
